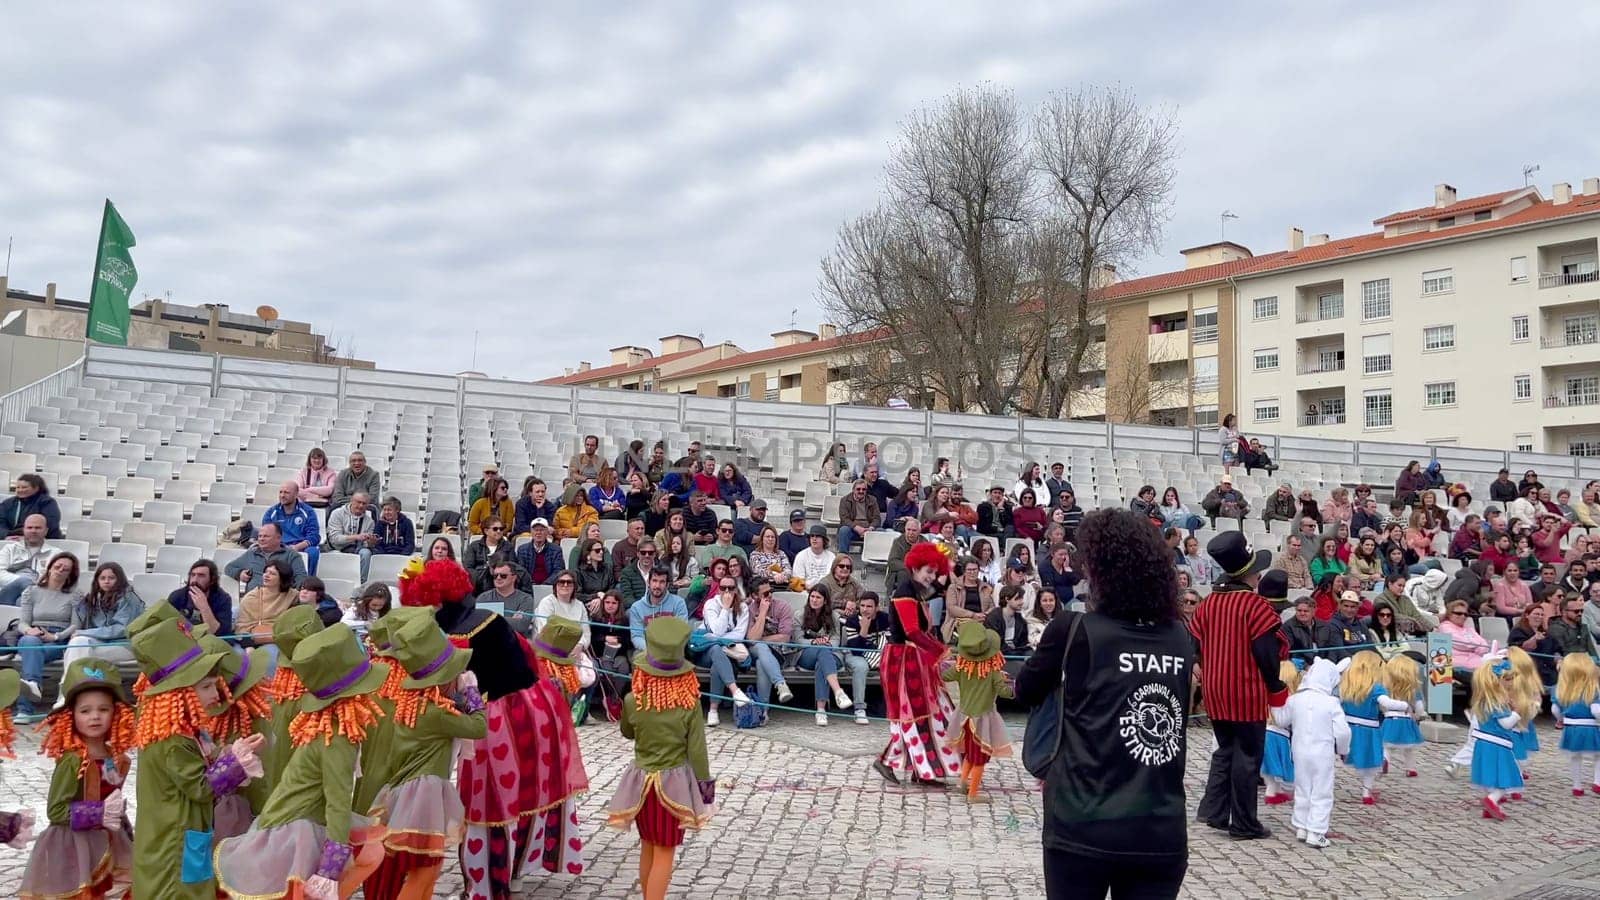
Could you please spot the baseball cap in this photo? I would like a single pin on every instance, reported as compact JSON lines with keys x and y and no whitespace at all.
{"x":759,"y":504}
{"x":798,"y":515}
{"x":538,"y":522}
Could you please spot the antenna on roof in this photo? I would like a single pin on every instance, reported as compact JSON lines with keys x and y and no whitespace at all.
{"x":1527,"y":173}
{"x":792,"y":314}
{"x":1226,"y":215}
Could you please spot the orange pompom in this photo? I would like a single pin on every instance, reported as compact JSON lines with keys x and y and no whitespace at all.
{"x":62,"y":738}
{"x":166,"y":715}
{"x":980,"y":669}
{"x":652,"y":692}
{"x":349,"y":717}
{"x":285,"y":686}
{"x":8,"y":735}
{"x":239,"y":719}
{"x":564,"y":675}
{"x":409,"y":704}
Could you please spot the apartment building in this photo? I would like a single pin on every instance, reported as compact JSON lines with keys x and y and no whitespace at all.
{"x":1469,"y":321}
{"x":634,"y":368}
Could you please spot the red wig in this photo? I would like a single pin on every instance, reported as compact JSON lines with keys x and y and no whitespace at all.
{"x":441,"y":581}
{"x":927,"y":554}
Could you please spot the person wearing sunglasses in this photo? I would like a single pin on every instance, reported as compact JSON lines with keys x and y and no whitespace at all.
{"x":565,"y":601}
{"x":478,"y":554}
{"x":635,"y":579}
{"x":518,"y":606}
{"x":721,"y":547}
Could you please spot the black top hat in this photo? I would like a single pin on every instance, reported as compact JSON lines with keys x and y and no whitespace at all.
{"x":1234,"y":554}
{"x":1274,"y":585}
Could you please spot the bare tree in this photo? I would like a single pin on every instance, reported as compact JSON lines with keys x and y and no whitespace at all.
{"x":1109,"y":164}
{"x":938,"y":279}
{"x":1138,"y":386}
{"x":971,"y":284}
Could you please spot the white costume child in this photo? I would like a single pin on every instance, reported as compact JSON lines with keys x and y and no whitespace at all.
{"x":1319,"y":733}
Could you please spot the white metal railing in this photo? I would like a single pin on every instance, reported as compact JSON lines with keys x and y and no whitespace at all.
{"x":1575,"y":339}
{"x":14,"y":406}
{"x":1561,"y":279}
{"x":757,"y":423}
{"x":1205,"y":334}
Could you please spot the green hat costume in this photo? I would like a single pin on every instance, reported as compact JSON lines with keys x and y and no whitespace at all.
{"x":421,"y":648}
{"x":976,"y":643}
{"x":381,"y":632}
{"x":171,"y":657}
{"x":558,"y":639}
{"x":10,"y":687}
{"x":333,"y":665}
{"x":242,"y":669}
{"x":664,"y":640}
{"x":90,"y":673}
{"x":157,"y":613}
{"x":292,"y":626}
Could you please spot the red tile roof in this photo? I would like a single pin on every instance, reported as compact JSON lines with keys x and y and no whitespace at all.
{"x":618,"y":369}
{"x":1170,"y":281}
{"x":1471,"y":204}
{"x":772,"y":354}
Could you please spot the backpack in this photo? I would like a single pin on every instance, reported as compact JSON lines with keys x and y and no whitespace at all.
{"x":1041,"y":741}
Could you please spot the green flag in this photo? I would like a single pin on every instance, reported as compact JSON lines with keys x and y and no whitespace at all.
{"x":114,"y":278}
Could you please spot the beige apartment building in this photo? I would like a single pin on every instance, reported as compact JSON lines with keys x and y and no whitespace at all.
{"x":1469,"y":321}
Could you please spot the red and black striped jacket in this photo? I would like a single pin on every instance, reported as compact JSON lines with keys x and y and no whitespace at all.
{"x":1240,"y":642}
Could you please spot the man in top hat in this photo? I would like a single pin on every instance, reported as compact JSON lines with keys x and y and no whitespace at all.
{"x":1240,"y":643}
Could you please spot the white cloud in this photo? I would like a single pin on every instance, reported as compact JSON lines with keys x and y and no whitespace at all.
{"x":561,"y":180}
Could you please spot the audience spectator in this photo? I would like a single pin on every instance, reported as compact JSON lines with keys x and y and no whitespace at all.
{"x":1569,"y":633}
{"x":657,"y":601}
{"x":44,"y":626}
{"x":1418,"y":599}
{"x":1223,"y":502}
{"x":1467,"y":543}
{"x":1469,"y":647}
{"x":815,"y":562}
{"x":1293,"y":563}
{"x":734,"y":488}
{"x":699,"y":521}
{"x":1365,"y":564}
{"x":477,"y":555}
{"x":631,"y":459}
{"x":1349,"y":627}
{"x":1307,"y":634}
{"x":1046,"y":606}
{"x":1410,"y":483}
{"x":1525,"y":508}
{"x":994,"y":514}
{"x":315,"y":479}
{"x":1547,"y":540}
{"x":607,"y":496}
{"x":1008,"y":620}
{"x":747,"y":529}
{"x":590,"y":532}
{"x":297,"y":523}
{"x":1530,"y":632}
{"x":1327,"y":560}
{"x":540,"y":558}
{"x":611,"y":646}
{"x":819,"y":630}
{"x":1144,"y":504}
{"x":516,"y":605}
{"x":705,"y":478}
{"x":1530,"y":478}
{"x":593,"y":573}
{"x":858,"y":512}
{"x":1228,"y":442}
{"x":273,"y":593}
{"x":358,"y":477}
{"x":767,"y":561}
{"x":475,"y":489}
{"x":100,"y":620}
{"x":574,"y":513}
{"x":1500,"y":554}
{"x":1511,"y":595}
{"x":678,"y":485}
{"x":639,"y":497}
{"x":370,"y":604}
{"x":835,"y":466}
{"x":396,"y":535}
{"x":1028,"y":518}
{"x":661,"y":508}
{"x":1175,"y":514}
{"x":1253,"y":456}
{"x":1056,"y":574}
{"x":1366,"y":516}
{"x":1502,"y":489}
{"x":634,"y":580}
{"x":268,"y":548}
{"x":681,"y":562}
{"x":496,"y":502}
{"x":1385,"y":630}
{"x":1280,"y":506}
{"x":202,"y":601}
{"x":531,"y":505}
{"x":32,"y":498}
{"x":352,"y":529}
{"x":1202,"y":570}
{"x":23,"y":562}
{"x":864,"y":634}
{"x":440,"y":548}
{"x":567,"y":600}
{"x":1338,"y":508}
{"x":585,"y":467}
{"x":841,"y":583}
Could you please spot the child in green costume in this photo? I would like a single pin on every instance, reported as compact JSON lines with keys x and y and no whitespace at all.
{"x":980,"y":673}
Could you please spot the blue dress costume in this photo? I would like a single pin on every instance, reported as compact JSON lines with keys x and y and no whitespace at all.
{"x":1366,"y":735}
{"x":1276,"y":760}
{"x":1400,"y":728}
{"x":1581,"y":733}
{"x":1494,"y":762}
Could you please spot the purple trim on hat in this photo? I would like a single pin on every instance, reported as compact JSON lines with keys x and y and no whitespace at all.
{"x":436,"y":665}
{"x":244,"y":670}
{"x":556,"y":650}
{"x":661,"y":665}
{"x":188,"y":656}
{"x":344,"y":683}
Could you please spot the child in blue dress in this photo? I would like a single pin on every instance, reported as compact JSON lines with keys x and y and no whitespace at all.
{"x":1494,"y":761}
{"x":1277,"y":762}
{"x":1402,"y":679}
{"x":1578,"y":711}
{"x":1528,"y":697}
{"x":1365,"y":701}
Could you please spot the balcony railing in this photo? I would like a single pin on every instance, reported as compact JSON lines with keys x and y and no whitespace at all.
{"x":1561,"y":400}
{"x":1318,"y":366}
{"x":1570,"y":340}
{"x":1205,"y":334}
{"x":1205,"y":383}
{"x":1566,"y":278}
{"x":1322,"y":419}
{"x":1316,"y":315}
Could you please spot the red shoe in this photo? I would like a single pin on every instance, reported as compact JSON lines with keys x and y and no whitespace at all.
{"x":1597,"y":789}
{"x":1577,"y":792}
{"x":1492,"y":810}
{"x":1369,"y":800}
{"x":1276,"y":799}
{"x":1411,"y":773}
{"x":1516,"y":795}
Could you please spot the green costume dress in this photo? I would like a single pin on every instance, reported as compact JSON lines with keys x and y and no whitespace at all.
{"x":75,"y":854}
{"x":977,"y":729}
{"x":294,"y":625}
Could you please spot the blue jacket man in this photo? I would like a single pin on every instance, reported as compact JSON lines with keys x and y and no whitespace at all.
{"x":297,"y":522}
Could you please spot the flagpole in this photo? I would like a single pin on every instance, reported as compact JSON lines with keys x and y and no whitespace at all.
{"x":99,"y":251}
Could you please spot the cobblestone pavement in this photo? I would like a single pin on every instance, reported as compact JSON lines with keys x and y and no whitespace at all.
{"x":802,"y":815}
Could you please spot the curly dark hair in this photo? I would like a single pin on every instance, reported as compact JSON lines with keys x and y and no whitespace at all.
{"x":1130,"y":567}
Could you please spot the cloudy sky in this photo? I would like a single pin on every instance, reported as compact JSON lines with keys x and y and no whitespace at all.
{"x":562,"y":180}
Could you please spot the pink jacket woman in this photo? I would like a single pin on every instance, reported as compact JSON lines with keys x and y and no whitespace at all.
{"x":1469,"y":646}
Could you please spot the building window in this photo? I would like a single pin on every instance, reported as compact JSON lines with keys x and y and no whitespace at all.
{"x":1375,"y":300}
{"x":1583,"y":448}
{"x":1439,"y":281}
{"x":1482,"y":215}
{"x":1583,"y":390}
{"x":1205,"y":416}
{"x":1439,"y":393}
{"x":1205,"y":374}
{"x":1267,"y":359}
{"x":1330,"y":359}
{"x":1265,"y":308}
{"x":1330,"y":306}
{"x":1519,"y":328}
{"x":1522,"y":442}
{"x":1519,"y":269}
{"x":1330,"y":411}
{"x":1377,"y":354}
{"x":1379,"y":409}
{"x":1580,"y":329}
{"x":1522,"y":387}
{"x":1439,"y":337}
{"x":1447,"y":221}
{"x":742,"y":391}
{"x":1267,"y":410}
{"x":1205,"y":325}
